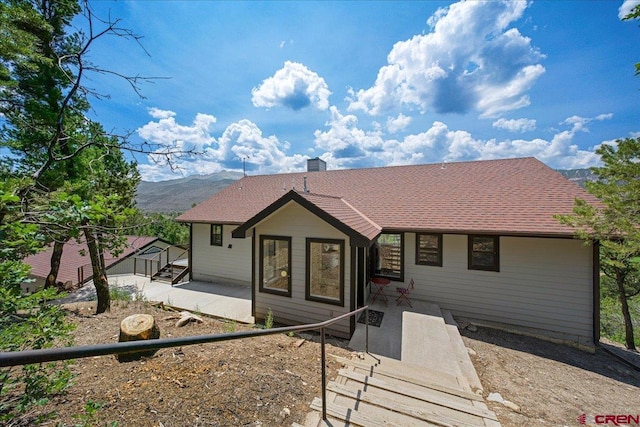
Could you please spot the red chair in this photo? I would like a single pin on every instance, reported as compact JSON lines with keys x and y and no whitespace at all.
{"x":404,"y":294}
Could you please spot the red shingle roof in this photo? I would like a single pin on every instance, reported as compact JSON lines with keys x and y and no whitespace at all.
{"x":71,"y":259}
{"x":508,"y":197}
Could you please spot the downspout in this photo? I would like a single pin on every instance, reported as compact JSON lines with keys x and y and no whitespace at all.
{"x":353,"y":279}
{"x":596,"y":292}
{"x":253,"y":272}
{"x":190,"y":251}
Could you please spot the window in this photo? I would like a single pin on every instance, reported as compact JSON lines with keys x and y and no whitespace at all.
{"x":484,"y":253}
{"x":325,"y":271}
{"x":389,"y":247}
{"x":216,"y":234}
{"x":275,"y":263}
{"x":429,"y":249}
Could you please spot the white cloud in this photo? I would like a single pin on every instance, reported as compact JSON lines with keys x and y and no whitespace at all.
{"x":157,"y":113}
{"x":515,"y":125}
{"x":346,"y":145}
{"x":293,"y":86}
{"x":470,"y":60}
{"x":579,"y":123}
{"x":626,"y":7}
{"x":243,"y":139}
{"x":396,"y":124}
{"x":167,"y":132}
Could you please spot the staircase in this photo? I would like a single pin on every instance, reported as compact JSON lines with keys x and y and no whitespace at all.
{"x":434,"y":383}
{"x":171,"y":273}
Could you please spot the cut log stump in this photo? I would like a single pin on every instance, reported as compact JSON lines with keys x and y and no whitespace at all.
{"x":135,"y":328}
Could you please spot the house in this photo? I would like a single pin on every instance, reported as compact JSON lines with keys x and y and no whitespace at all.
{"x":75,"y":268}
{"x":478,"y":238}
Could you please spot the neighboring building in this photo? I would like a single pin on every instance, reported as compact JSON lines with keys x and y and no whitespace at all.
{"x":75,"y":268}
{"x":478,"y":238}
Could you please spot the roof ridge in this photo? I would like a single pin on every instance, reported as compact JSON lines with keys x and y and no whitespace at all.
{"x":302,"y":172}
{"x":361,"y":214}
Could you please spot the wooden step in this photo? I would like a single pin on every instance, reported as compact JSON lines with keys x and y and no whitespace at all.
{"x":411,"y":407}
{"x":424,"y":394}
{"x":416,"y":375}
{"x":356,"y":418}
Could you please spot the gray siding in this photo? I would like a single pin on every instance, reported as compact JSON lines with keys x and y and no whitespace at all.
{"x":298,"y":223}
{"x":543,"y":284}
{"x":211,"y":262}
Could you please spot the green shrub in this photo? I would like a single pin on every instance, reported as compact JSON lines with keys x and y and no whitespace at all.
{"x":268,"y":321}
{"x":30,"y":321}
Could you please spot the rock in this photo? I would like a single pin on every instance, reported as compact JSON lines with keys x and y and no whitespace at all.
{"x":471,"y":351}
{"x":511,"y":406}
{"x":495,"y":397}
{"x":472,"y":328}
{"x":285,"y":413}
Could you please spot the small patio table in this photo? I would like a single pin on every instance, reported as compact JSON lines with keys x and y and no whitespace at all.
{"x":381,"y":283}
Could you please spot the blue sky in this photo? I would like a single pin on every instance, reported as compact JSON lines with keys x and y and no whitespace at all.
{"x":364,"y":84}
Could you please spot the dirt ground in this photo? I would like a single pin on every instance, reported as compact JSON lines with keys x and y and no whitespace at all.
{"x":271,"y":381}
{"x":552,"y":384}
{"x":246,"y":382}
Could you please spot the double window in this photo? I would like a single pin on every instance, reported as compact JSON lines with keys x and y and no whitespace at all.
{"x":216,"y":234}
{"x":390,"y":255}
{"x":275,"y":265}
{"x":429,"y":249}
{"x":484,"y":253}
{"x":325,"y":271}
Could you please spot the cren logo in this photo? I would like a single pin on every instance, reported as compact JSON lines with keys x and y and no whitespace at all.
{"x":615,"y":420}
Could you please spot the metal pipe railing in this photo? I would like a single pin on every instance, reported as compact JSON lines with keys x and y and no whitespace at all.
{"x":13,"y":358}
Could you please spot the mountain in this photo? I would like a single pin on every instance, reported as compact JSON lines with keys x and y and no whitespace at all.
{"x":579,"y":176}
{"x":179,"y":195}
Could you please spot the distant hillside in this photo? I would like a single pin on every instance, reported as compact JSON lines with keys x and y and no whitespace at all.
{"x":579,"y":176}
{"x":179,"y":195}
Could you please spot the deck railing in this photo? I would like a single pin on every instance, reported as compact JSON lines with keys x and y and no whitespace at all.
{"x":14,"y":358}
{"x":156,"y":261}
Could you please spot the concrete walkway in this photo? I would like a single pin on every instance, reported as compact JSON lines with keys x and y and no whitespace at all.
{"x":386,"y":340}
{"x":224,"y":298}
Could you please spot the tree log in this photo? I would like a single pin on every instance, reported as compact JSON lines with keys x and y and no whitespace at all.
{"x":135,"y":328}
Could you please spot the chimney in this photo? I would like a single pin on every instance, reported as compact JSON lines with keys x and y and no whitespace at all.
{"x":305,"y":188}
{"x":316,"y":165}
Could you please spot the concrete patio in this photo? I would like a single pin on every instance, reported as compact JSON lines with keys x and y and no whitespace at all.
{"x":386,"y":340}
{"x":223,"y":298}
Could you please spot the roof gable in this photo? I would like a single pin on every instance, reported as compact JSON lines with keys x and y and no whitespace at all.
{"x":508,"y":197}
{"x":334,"y":210}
